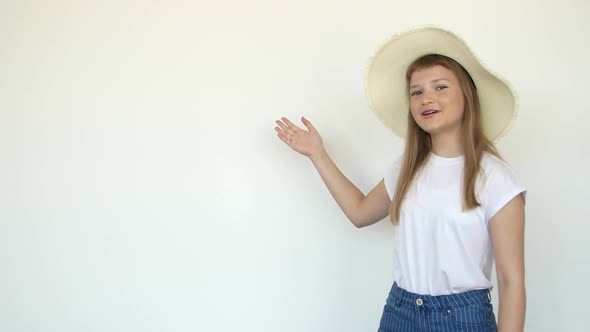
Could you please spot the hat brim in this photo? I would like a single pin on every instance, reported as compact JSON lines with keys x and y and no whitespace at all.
{"x":386,"y":82}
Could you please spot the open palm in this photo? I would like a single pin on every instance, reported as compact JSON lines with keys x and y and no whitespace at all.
{"x":307,"y":142}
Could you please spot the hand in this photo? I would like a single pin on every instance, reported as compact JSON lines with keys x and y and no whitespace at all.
{"x":308,"y":143}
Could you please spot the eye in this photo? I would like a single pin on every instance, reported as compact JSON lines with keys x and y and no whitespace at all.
{"x":415,"y":93}
{"x":440,"y":87}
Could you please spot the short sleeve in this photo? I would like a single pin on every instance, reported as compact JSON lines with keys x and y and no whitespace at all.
{"x":390,"y":177}
{"x":501,"y":185}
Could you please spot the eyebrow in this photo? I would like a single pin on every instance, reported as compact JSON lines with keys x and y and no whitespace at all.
{"x":433,"y":81}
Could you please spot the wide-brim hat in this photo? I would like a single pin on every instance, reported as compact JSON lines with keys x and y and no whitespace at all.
{"x":386,"y":79}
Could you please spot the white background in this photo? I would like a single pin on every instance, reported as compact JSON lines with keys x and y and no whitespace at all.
{"x":143,"y":187}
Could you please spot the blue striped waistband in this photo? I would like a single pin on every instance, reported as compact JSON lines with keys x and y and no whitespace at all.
{"x":439,"y":302}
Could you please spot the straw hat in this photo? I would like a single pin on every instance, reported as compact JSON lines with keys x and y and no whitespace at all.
{"x":386,"y":82}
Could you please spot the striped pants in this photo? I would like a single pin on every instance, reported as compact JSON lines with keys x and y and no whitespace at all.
{"x":469,"y":311}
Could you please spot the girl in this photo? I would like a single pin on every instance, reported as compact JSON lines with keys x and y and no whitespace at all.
{"x":457,"y":206}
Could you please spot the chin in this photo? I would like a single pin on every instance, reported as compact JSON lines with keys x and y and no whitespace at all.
{"x":431,"y":130}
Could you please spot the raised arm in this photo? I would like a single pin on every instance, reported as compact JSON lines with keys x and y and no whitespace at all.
{"x":361,"y":210}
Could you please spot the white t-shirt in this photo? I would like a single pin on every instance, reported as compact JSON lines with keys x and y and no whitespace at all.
{"x":438,"y":248}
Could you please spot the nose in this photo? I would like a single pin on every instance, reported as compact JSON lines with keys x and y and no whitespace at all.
{"x":426,"y":98}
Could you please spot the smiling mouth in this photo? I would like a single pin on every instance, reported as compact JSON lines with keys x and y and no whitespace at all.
{"x":430,"y":112}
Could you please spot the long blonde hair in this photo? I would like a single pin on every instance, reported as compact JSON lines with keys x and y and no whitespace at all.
{"x":419,"y":144}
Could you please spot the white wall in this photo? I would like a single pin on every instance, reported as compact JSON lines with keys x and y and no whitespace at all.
{"x":143,"y":187}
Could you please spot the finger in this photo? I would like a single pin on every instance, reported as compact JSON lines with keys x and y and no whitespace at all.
{"x":288,"y":136}
{"x":284,"y":139}
{"x":283,"y":133}
{"x":307,"y":123}
{"x":291,"y":125}
{"x":285,"y":128}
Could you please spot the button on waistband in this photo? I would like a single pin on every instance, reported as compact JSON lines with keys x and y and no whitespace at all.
{"x":419,"y":302}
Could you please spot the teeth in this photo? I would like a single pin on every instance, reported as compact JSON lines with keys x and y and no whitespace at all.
{"x":428,"y":112}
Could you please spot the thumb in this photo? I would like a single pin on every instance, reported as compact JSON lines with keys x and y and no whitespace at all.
{"x":307,"y":124}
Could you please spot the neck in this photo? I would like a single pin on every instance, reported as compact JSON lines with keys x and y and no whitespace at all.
{"x":447,"y":145}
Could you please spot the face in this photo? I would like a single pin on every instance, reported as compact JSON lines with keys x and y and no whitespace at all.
{"x":436,"y":100}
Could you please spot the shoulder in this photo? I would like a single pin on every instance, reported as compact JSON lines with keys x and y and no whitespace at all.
{"x":391,"y":175}
{"x":498,"y":184}
{"x":395,"y":165}
{"x":492,"y":166}
{"x":490,"y":161}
